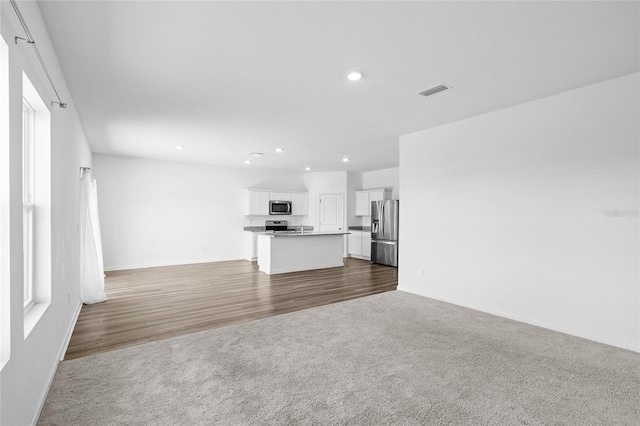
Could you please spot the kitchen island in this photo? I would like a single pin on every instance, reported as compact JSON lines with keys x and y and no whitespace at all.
{"x":279,"y":253}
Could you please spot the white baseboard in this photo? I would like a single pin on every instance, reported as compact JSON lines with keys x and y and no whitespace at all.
{"x":159,"y":264}
{"x":67,"y":339}
{"x":287,"y":270}
{"x":357,"y":256}
{"x":542,"y":324}
{"x":52,"y":375}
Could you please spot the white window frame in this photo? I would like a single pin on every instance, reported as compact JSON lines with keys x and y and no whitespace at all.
{"x":28,"y":200}
{"x":5,"y":166}
{"x":36,"y":206}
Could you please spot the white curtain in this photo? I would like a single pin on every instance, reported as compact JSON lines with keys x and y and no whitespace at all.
{"x":91,"y":262}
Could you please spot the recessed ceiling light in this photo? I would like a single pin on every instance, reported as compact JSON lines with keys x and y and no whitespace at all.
{"x":279,"y":149}
{"x":345,"y":159}
{"x":180,"y":147}
{"x":247,"y":162}
{"x":355,"y":75}
{"x":256,"y":154}
{"x":308,"y":169}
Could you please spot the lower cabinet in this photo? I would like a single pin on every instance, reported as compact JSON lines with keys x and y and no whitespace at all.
{"x":250,"y":245}
{"x":366,"y":245}
{"x":355,"y":243}
{"x":360,"y":244}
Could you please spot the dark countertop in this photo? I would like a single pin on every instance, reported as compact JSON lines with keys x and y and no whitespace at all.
{"x":360,"y":228}
{"x":255,"y":228}
{"x":299,"y":234}
{"x":307,"y":228}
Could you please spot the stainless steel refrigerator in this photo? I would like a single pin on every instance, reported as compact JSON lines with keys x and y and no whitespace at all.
{"x":384,"y":232}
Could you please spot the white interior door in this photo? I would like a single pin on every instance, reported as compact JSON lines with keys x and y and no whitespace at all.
{"x":331,"y":214}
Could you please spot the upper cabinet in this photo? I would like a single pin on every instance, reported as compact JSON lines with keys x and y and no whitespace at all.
{"x":365,"y":197}
{"x":258,"y":202}
{"x":378,"y":195}
{"x":280,"y":196}
{"x":362,"y":203}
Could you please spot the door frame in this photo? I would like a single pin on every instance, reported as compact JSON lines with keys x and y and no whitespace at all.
{"x":343,"y":214}
{"x":341,"y":195}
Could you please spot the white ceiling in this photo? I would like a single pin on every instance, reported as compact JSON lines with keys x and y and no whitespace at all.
{"x":227,"y":78}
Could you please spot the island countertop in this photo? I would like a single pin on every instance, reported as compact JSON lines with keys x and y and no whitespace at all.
{"x":300,"y":234}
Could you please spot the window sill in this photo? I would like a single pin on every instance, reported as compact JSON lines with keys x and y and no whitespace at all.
{"x":32,"y":316}
{"x":4,"y":359}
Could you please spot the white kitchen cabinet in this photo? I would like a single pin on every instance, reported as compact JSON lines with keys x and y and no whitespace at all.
{"x":300,"y":203}
{"x":250,"y":245}
{"x":377,"y":195}
{"x":362,"y":203}
{"x":366,"y":245}
{"x":280,"y":196}
{"x":257,"y":203}
{"x":355,"y":243}
{"x":360,"y":244}
{"x":365,"y":197}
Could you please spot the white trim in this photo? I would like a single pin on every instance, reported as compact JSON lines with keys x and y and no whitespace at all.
{"x":548,"y":326}
{"x":295,"y":269}
{"x":155,"y":265}
{"x":52,"y":375}
{"x":28,"y":207}
{"x":5,"y":226}
{"x":32,"y":315}
{"x":67,"y":339}
{"x":28,"y":305}
{"x":357,"y":256}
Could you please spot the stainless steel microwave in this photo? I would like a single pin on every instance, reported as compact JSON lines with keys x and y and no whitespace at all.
{"x":279,"y":207}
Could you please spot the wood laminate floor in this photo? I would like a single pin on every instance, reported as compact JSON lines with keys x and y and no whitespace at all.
{"x":157,"y":303}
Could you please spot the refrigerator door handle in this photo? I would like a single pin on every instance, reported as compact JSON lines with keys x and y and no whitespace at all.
{"x":383,"y":218}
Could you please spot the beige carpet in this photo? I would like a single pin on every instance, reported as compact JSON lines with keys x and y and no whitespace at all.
{"x":393,"y":358}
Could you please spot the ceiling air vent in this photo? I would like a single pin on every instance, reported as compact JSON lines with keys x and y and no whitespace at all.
{"x":435,"y":89}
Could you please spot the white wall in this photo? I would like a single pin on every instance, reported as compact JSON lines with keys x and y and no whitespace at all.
{"x":25,"y":377}
{"x":354,"y":183}
{"x":164,"y":213}
{"x":318,"y":183}
{"x":508,"y":212}
{"x":385,"y":178}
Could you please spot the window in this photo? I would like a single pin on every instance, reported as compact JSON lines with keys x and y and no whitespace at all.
{"x":28,"y":197}
{"x":36,"y":202}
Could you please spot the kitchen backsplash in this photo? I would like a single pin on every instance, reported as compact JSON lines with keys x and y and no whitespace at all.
{"x":359,"y":228}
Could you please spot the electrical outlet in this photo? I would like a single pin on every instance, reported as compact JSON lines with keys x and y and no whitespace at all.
{"x":421,"y":272}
